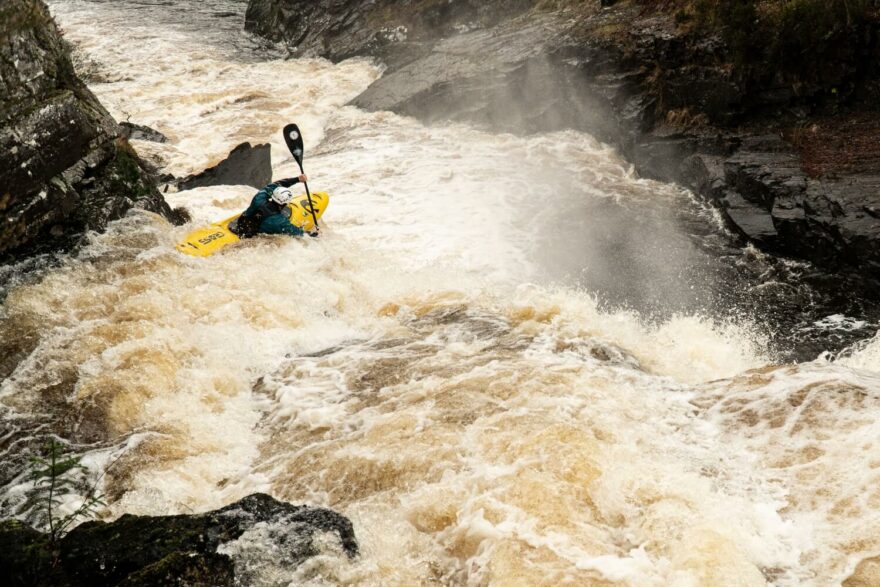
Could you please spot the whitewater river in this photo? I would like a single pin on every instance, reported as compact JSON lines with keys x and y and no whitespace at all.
{"x":446,"y":365}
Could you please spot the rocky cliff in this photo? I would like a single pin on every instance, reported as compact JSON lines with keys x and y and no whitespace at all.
{"x":685,"y":103}
{"x":63,"y":167}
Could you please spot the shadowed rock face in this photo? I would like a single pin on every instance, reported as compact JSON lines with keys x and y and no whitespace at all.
{"x":165,"y":550}
{"x":245,"y":165}
{"x":396,"y":31}
{"x":62,"y":168}
{"x":667,"y":97}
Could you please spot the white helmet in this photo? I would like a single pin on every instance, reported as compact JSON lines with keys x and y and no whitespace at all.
{"x":282,"y":196}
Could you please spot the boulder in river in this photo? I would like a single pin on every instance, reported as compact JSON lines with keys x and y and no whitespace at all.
{"x":245,"y":165}
{"x":63,"y":169}
{"x":163,"y":550}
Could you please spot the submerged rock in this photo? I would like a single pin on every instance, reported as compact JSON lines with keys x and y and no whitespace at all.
{"x":162,"y":550}
{"x":245,"y":165}
{"x":63,"y":169}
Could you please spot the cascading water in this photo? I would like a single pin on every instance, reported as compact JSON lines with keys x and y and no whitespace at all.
{"x":411,"y":368}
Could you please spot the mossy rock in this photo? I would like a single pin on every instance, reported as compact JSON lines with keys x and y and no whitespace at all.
{"x":161,"y":550}
{"x":26,"y":557}
{"x":185,"y":568}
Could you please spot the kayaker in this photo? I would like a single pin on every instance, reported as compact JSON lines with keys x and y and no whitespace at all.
{"x":269,"y":212}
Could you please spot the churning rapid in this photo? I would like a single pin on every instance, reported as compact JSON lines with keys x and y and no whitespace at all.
{"x":413,"y":368}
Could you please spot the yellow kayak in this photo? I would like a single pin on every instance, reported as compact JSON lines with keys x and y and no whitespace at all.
{"x":207,"y":240}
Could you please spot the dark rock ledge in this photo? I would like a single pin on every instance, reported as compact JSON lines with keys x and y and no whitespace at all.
{"x":64,"y":168}
{"x":245,"y":165}
{"x":165,"y":550}
{"x":669,"y":98}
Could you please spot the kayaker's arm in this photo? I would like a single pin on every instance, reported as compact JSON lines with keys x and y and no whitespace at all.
{"x":292,"y":181}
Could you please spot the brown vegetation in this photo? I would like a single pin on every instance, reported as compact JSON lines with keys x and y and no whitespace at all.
{"x":839,"y":145}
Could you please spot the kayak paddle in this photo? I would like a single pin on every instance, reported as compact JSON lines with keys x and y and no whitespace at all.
{"x":293,"y":138}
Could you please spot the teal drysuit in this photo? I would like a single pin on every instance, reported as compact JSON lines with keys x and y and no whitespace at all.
{"x":273,"y":218}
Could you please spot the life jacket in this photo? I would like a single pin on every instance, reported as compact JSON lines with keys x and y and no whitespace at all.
{"x":248,"y":226}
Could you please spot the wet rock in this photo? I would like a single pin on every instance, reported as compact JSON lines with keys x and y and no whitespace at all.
{"x":162,"y":550}
{"x":396,"y":32}
{"x":26,"y":557}
{"x":770,"y":200}
{"x":767,"y":198}
{"x":179,"y":568}
{"x":751,"y":220}
{"x":141,"y":132}
{"x":663,"y":154}
{"x":498,"y":77}
{"x":62,"y":168}
{"x":245,"y":165}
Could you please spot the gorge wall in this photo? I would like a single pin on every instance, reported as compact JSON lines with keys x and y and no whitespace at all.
{"x":681,"y":102}
{"x":63,"y":167}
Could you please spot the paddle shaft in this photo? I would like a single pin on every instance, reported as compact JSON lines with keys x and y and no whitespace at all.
{"x":309,"y":195}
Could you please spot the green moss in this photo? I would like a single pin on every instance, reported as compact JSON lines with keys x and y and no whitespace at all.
{"x":127,"y":173}
{"x":582,"y":6}
{"x":610,"y":30}
{"x":216,"y":570}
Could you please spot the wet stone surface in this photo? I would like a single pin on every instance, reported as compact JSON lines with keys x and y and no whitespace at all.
{"x":146,"y":550}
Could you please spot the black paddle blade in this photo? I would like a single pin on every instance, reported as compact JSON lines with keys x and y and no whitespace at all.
{"x":294,"y":141}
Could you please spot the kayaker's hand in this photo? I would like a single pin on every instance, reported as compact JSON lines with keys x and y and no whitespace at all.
{"x":314,"y":233}
{"x":303,"y":178}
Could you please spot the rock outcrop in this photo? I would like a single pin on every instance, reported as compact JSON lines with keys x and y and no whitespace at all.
{"x":63,"y":167}
{"x":141,"y":132}
{"x":669,"y":96}
{"x":397,"y":32}
{"x":245,"y":165}
{"x":169,"y":550}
